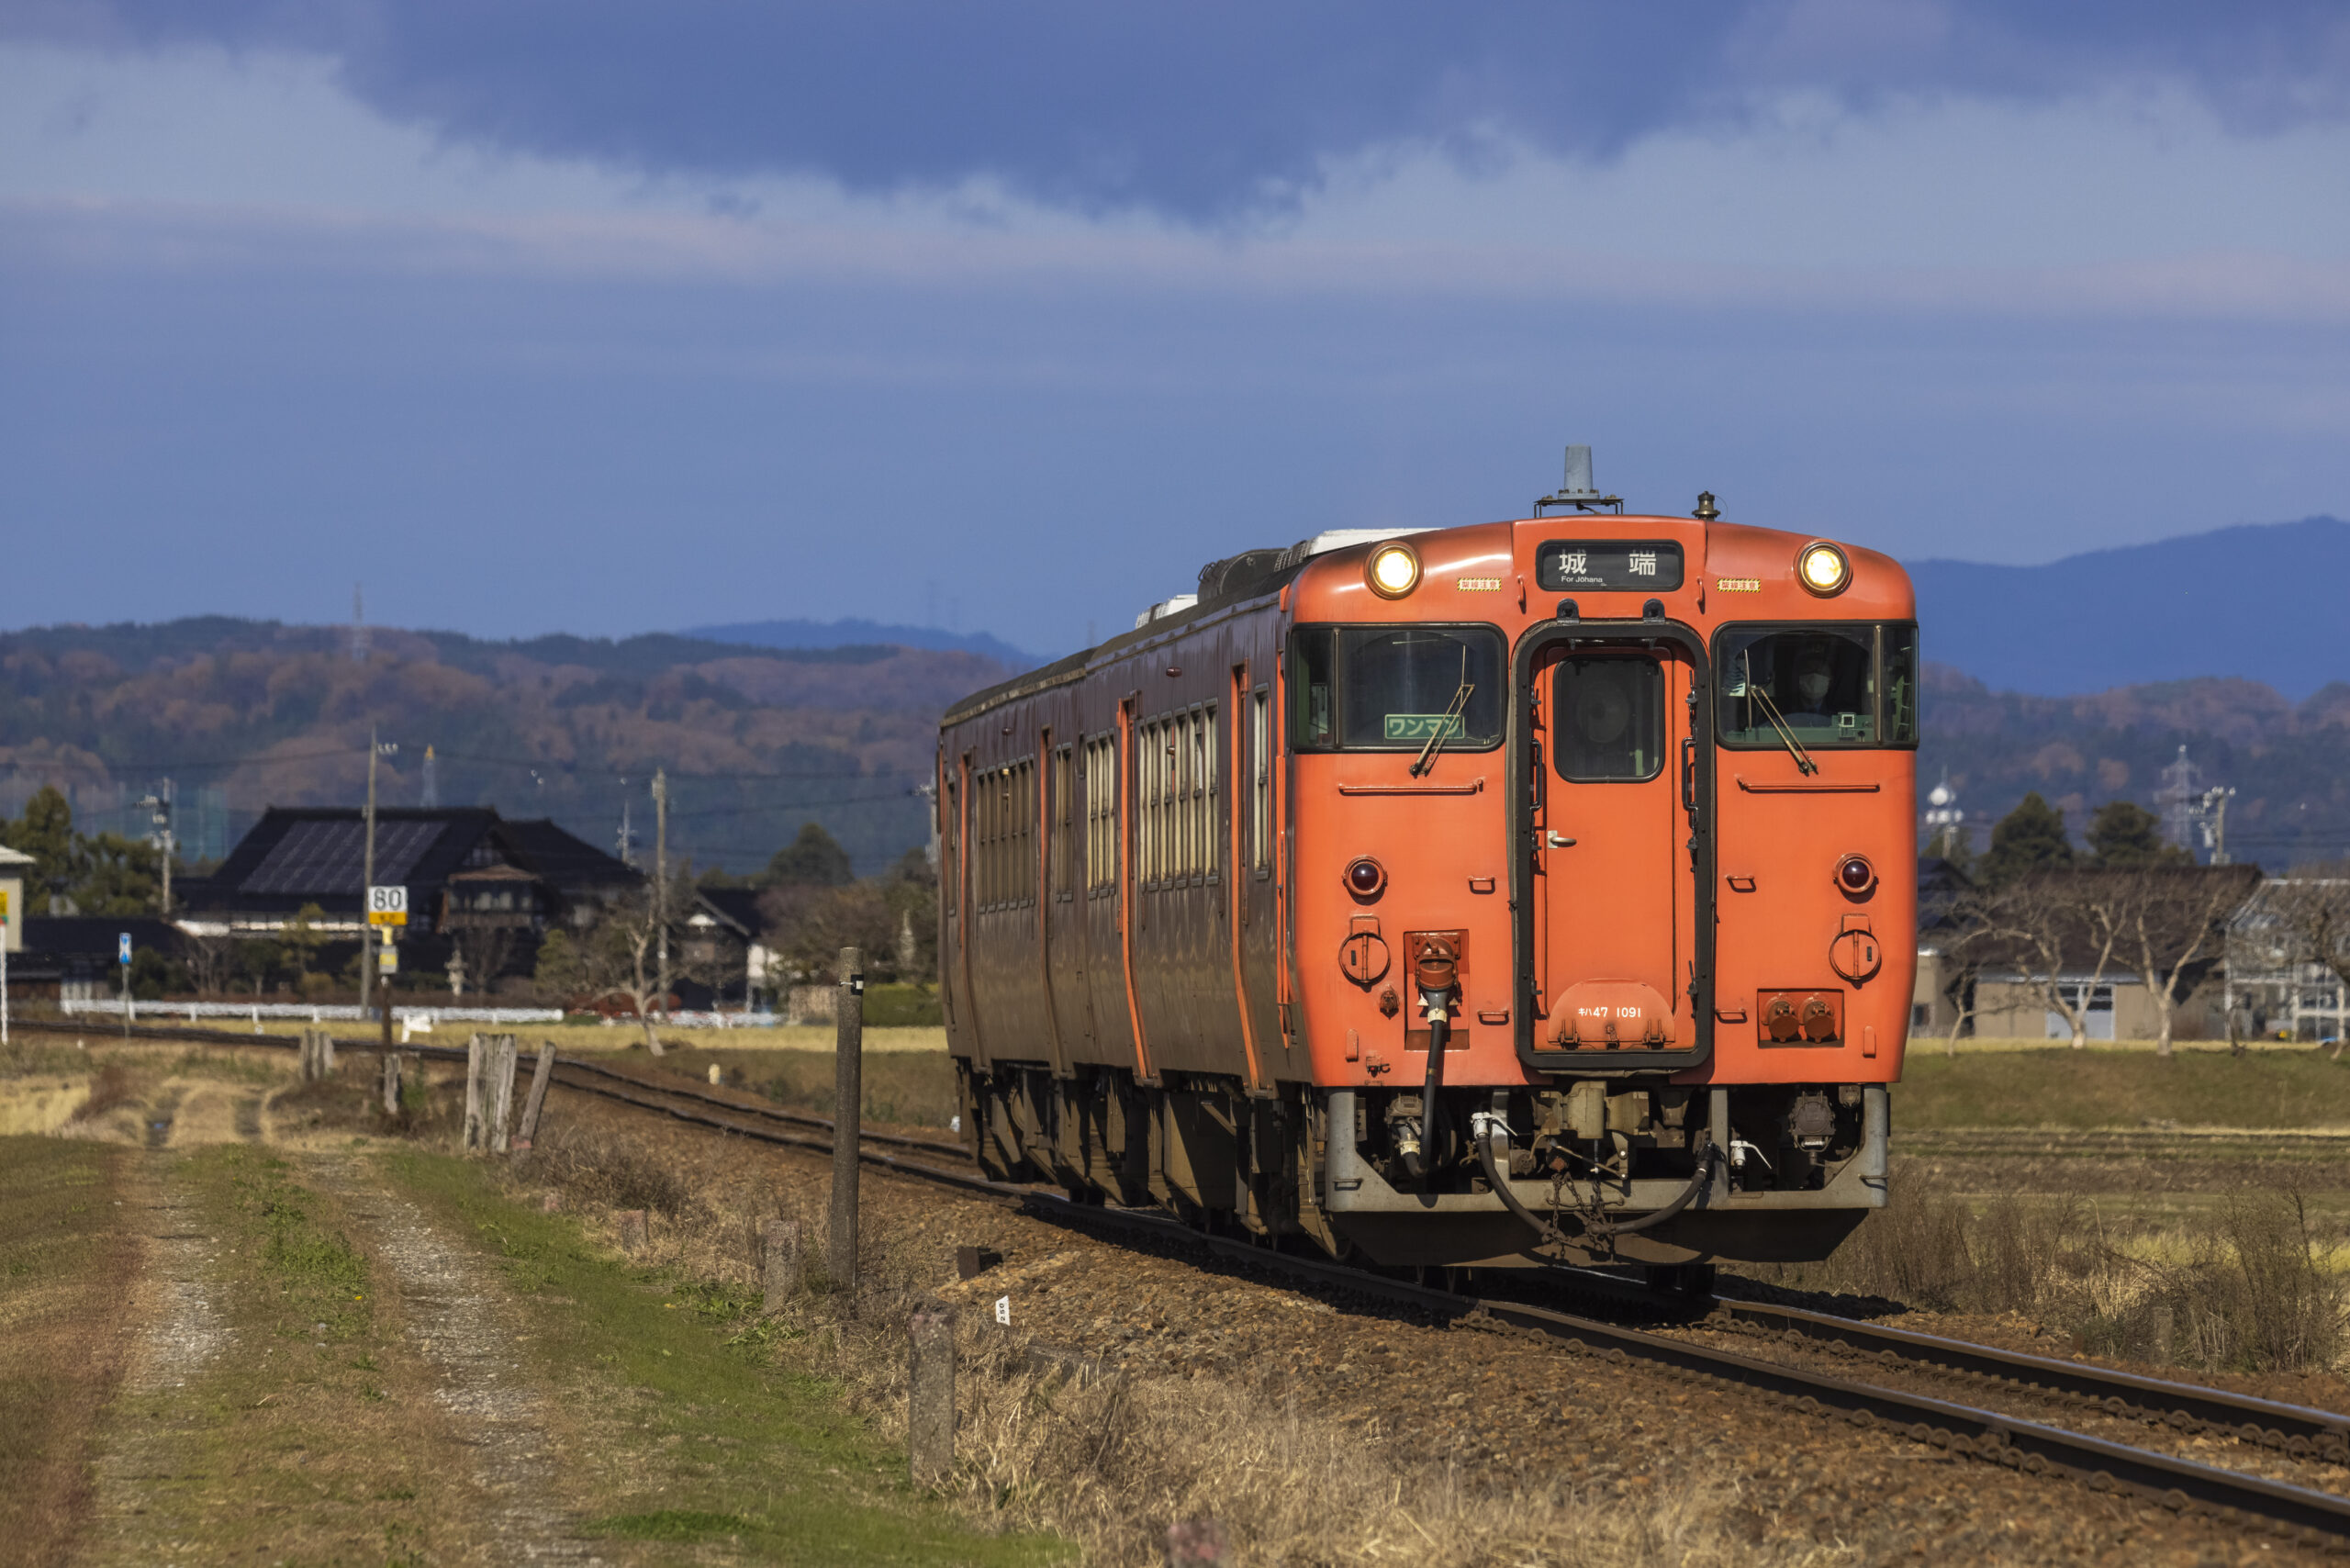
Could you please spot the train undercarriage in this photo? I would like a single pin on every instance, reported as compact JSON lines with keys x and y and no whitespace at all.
{"x":1589,"y":1172}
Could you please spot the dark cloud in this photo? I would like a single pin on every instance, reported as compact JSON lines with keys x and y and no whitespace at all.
{"x":1207,"y":108}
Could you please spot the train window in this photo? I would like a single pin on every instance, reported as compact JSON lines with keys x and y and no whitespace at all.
{"x":1819,"y":685}
{"x":1899,"y":659}
{"x":1101,"y":813}
{"x":1203,"y":789}
{"x":1313,"y":652}
{"x":1064,"y":820}
{"x":1610,"y":718}
{"x":1260,"y":783}
{"x":1397,"y":688}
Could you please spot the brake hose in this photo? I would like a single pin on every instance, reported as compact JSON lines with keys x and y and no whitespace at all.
{"x":1494,"y":1178}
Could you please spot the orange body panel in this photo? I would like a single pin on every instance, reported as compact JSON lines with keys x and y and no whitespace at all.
{"x":1223,"y":955}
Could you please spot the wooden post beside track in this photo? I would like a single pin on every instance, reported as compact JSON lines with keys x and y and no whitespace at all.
{"x":535,"y":1101}
{"x":929,"y":1394}
{"x":779,"y":1262}
{"x":477,"y":1049}
{"x":501,"y":1091}
{"x":848,"y":1100}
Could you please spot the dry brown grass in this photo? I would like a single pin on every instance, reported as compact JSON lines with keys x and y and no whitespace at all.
{"x":1111,"y":1465}
{"x":2255,"y":1285}
{"x":66,"y":1259}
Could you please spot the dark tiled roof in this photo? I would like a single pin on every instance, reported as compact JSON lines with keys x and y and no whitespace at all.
{"x":740,"y":906}
{"x":564,"y":859}
{"x":295,"y":856}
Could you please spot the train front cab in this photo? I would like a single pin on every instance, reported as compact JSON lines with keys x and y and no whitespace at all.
{"x":1682,"y":984}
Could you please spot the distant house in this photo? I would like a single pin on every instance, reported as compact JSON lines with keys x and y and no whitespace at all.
{"x":2272,"y":983}
{"x":1934,"y":1003}
{"x":464,"y":868}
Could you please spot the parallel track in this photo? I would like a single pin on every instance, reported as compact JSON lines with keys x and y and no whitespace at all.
{"x":2316,"y":1519}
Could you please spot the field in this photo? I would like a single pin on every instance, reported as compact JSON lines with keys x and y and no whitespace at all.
{"x":345,"y":1343}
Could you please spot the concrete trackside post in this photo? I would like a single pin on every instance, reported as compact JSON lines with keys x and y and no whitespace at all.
{"x":848,"y":1101}
{"x":778,"y":1263}
{"x":635,"y":1234}
{"x":477,"y":1050}
{"x":391,"y":1083}
{"x":501,"y":1091}
{"x":535,"y":1101}
{"x":929,"y":1394}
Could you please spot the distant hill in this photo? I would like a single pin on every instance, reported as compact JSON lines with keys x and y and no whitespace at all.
{"x":2289,"y":763}
{"x":835,"y":633}
{"x":251,"y":713}
{"x":2259,"y":602}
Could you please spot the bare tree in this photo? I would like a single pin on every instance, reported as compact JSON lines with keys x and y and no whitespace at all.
{"x":210,"y":957}
{"x":1967,"y":937}
{"x":2310,"y":910}
{"x":2172,"y":919}
{"x":487,"y":950}
{"x":2053,"y":920}
{"x":619,"y":959}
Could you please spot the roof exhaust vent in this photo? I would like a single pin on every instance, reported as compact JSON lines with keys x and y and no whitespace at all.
{"x":1579,"y":492}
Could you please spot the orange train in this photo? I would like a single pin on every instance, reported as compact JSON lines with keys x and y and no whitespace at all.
{"x":1455,"y":896}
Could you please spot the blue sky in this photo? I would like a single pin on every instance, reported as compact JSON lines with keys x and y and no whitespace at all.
{"x":605,"y":318}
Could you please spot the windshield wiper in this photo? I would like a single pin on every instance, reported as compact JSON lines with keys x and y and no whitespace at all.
{"x":1803,"y":764}
{"x":1444,"y":726}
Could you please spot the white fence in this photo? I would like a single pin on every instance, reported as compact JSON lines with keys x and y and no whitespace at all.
{"x":420,"y":1020}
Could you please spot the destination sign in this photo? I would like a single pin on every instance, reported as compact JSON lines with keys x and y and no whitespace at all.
{"x":1641,"y":565}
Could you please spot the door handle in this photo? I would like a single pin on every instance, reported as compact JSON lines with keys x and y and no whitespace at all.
{"x":1558,"y":841}
{"x":1689,"y":776}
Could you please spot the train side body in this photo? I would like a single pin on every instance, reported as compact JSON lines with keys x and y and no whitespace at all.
{"x":1661,"y":818}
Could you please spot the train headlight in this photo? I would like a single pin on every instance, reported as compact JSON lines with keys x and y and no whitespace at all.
{"x":1394,"y":570}
{"x":1823,"y":568}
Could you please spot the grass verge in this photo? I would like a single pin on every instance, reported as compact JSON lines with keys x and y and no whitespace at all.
{"x":66,"y":1257}
{"x":2201,"y":1086}
{"x":713,"y":1442}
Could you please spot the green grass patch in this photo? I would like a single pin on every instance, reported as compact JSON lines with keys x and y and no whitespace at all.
{"x":320,"y":1275}
{"x":903,"y":1007}
{"x":2201,"y":1086}
{"x":669,"y":1524}
{"x":713,"y":1429}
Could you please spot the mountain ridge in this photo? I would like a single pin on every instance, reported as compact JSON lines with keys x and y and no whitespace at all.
{"x":2137,"y":614}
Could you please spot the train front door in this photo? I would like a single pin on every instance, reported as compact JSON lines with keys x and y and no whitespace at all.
{"x":1615,"y":822}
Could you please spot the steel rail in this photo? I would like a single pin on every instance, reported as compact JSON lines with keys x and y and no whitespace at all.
{"x":2300,"y":1430}
{"x":767,"y":1113}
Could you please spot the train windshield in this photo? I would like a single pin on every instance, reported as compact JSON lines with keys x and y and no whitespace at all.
{"x":1397,"y":688}
{"x":1820,"y":686}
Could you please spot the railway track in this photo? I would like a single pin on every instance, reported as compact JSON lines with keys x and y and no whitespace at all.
{"x":2311,"y":1517}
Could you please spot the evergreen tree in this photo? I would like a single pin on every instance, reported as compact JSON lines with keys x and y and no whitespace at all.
{"x":2030,"y":838}
{"x":812,"y":860}
{"x":2125,"y":835}
{"x":46,"y":833}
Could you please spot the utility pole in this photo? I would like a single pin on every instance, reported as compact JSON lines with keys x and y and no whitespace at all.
{"x":2215,"y":832}
{"x":159,"y":806}
{"x":367,"y":879}
{"x":661,"y":878}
